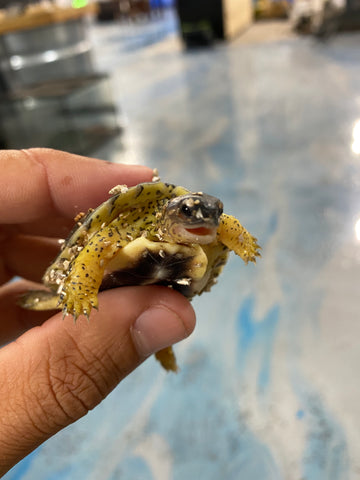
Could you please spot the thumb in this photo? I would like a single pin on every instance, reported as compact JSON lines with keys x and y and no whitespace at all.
{"x":54,"y":374}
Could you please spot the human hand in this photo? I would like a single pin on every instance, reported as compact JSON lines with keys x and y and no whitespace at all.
{"x":53,"y":371}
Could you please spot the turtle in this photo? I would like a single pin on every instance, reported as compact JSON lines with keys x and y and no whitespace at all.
{"x":151,"y":233}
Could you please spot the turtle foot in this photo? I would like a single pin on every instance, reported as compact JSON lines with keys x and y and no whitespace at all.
{"x":78,"y":305}
{"x":38,"y":300}
{"x":167,"y":358}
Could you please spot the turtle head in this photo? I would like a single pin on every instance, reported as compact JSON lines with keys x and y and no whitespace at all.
{"x":191,"y":218}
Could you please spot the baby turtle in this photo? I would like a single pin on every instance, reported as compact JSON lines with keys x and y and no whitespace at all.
{"x":153,"y":233}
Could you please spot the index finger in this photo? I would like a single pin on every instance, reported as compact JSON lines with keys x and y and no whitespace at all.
{"x":39,"y":183}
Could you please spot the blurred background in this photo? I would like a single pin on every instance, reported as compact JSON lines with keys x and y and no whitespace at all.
{"x":257,"y":103}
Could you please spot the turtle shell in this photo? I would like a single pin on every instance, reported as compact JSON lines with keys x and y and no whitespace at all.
{"x":147,"y":199}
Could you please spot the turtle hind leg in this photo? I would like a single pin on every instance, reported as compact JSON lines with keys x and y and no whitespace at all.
{"x":167,"y":358}
{"x":39,"y":300}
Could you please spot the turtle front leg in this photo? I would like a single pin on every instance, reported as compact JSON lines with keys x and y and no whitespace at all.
{"x":78,"y":294}
{"x":234,"y":236}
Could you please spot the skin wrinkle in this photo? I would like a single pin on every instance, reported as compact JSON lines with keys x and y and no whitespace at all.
{"x":100,"y":366}
{"x":96,"y":368}
{"x":97,"y":364}
{"x":114,"y":368}
{"x":64,"y":385}
{"x":27,"y":435}
{"x":44,"y":405}
{"x":32,"y":155}
{"x":116,"y":346}
{"x":93,"y":384}
{"x":52,"y":393}
{"x":135,"y":359}
{"x":68,"y":393}
{"x":18,"y":413}
{"x":37,"y":415}
{"x":65,"y":416}
{"x":34,"y":424}
{"x":39,"y":394}
{"x":113,"y":344}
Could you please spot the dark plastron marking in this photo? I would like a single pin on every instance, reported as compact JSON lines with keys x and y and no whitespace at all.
{"x":153,"y":268}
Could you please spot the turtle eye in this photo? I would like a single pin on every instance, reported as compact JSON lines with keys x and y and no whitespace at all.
{"x":185,"y":210}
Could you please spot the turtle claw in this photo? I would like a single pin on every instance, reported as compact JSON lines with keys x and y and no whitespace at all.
{"x":252,"y":251}
{"x":79,"y":306}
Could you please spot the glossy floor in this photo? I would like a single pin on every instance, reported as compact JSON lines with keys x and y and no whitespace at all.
{"x":268,"y":387}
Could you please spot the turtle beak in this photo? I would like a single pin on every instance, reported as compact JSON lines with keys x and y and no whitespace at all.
{"x":200,"y":235}
{"x":200,"y":231}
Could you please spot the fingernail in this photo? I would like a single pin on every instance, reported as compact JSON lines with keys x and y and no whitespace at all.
{"x":157,"y":328}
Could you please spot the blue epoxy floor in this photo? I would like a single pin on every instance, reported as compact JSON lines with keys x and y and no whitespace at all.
{"x":268,"y":388}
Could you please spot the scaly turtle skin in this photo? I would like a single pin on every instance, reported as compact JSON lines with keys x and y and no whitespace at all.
{"x":153,"y":233}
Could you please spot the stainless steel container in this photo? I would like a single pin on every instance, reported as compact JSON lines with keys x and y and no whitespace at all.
{"x":77,"y":115}
{"x":54,"y":51}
